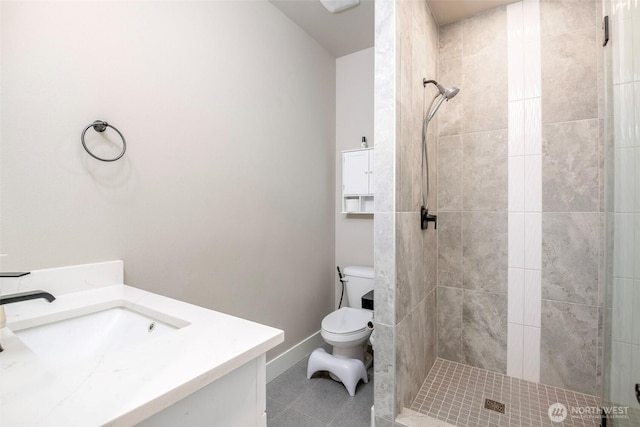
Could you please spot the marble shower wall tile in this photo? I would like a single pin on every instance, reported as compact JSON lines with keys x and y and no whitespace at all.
{"x":408,"y":152}
{"x":484,"y":251}
{"x":569,"y":76}
{"x":430,"y":253}
{"x":565,"y":16}
{"x":404,"y":69}
{"x":570,"y":257}
{"x":449,"y":117}
{"x":600,"y":351}
{"x":569,"y":346}
{"x":473,"y":189}
{"x":485,"y":32}
{"x":384,"y":255}
{"x":449,"y":172}
{"x":484,"y":330}
{"x":571,"y":165}
{"x":414,"y":318}
{"x":385,"y":106}
{"x":484,"y":78}
{"x":450,"y":249}
{"x":415,"y":349}
{"x":485,"y":171}
{"x":432,"y":149}
{"x":384,"y":371}
{"x":386,"y":135}
{"x":428,"y":319}
{"x":450,"y":41}
{"x":484,"y":71}
{"x":410,"y":286}
{"x":450,"y":324}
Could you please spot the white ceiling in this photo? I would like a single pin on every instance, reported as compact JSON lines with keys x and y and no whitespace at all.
{"x":341,"y":33}
{"x":448,"y":11}
{"x":352,"y":30}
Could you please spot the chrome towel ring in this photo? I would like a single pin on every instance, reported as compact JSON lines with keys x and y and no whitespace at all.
{"x":100,"y":126}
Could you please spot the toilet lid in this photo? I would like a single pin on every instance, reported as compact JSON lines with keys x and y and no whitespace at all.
{"x":346,"y":320}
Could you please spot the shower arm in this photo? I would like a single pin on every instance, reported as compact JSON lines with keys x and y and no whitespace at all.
{"x":440,"y":88}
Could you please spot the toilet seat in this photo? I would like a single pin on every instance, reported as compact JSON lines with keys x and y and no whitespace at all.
{"x":347,"y":321}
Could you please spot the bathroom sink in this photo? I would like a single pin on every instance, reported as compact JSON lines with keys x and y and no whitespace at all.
{"x":70,"y":341}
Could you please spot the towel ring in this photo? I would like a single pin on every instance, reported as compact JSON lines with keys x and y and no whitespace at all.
{"x":100,"y":126}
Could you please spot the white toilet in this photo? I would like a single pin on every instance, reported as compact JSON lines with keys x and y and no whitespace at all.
{"x":348,"y":330}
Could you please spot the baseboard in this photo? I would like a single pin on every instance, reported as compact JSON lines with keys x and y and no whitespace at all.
{"x":292,"y":356}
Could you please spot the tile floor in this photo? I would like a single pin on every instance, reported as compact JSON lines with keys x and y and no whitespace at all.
{"x":295,"y":401}
{"x":455,"y":393}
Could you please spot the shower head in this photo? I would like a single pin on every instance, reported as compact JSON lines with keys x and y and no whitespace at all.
{"x":447,"y":92}
{"x":450,"y":92}
{"x":445,"y":95}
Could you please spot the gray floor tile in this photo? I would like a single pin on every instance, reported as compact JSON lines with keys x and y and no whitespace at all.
{"x":323,"y":401}
{"x":292,"y":418}
{"x":274,"y":408}
{"x":293,"y":400}
{"x":354,"y":414}
{"x":357,"y":412}
{"x":291,"y":384}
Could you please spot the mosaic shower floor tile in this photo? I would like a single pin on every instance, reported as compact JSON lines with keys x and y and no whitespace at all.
{"x":457,"y":393}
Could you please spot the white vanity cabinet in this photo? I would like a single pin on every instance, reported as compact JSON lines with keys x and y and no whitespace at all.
{"x":357,"y":181}
{"x":238,"y":399}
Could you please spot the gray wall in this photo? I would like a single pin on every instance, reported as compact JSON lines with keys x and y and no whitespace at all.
{"x":225,"y":197}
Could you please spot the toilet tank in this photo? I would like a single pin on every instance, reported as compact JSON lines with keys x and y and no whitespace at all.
{"x":360,"y":281}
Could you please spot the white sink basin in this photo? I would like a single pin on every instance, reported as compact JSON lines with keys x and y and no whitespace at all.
{"x":68,"y":342}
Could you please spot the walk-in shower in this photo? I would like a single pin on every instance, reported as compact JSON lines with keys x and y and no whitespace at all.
{"x":444,"y":94}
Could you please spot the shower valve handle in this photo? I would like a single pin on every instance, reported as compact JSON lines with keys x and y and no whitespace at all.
{"x":425,"y":219}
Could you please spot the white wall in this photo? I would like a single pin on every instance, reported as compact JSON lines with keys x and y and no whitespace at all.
{"x":354,"y":119}
{"x":225,"y":196}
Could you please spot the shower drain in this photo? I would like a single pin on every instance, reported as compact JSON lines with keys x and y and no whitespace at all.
{"x":494,"y":405}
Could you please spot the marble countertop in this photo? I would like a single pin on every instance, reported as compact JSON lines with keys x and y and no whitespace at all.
{"x":126,"y":386}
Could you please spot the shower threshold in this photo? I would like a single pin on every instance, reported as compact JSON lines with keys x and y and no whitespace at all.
{"x":454,"y":394}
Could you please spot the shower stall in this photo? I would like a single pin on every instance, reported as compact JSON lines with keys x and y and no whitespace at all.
{"x":532,"y":275}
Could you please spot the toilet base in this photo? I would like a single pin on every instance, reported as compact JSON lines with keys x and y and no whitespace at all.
{"x":348,"y":371}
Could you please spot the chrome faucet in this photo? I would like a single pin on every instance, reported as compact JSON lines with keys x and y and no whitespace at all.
{"x":25,"y":296}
